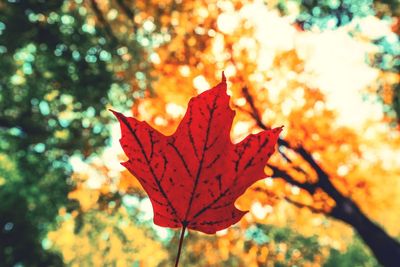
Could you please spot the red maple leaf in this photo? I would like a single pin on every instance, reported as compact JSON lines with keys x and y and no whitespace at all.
{"x":194,"y":176}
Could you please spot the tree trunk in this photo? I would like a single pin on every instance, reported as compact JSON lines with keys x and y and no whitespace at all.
{"x":385,"y":248}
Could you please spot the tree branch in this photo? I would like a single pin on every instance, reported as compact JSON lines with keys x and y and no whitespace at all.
{"x":278,"y":173}
{"x":128,"y":12}
{"x":103,"y":21}
{"x":25,"y":126}
{"x":6,"y":123}
{"x":301,"y":205}
{"x":254,"y":111}
{"x":385,"y":248}
{"x":323,"y":178}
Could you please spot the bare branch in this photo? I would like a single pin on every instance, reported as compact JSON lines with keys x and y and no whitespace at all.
{"x":323,"y":178}
{"x":254,"y":111}
{"x":103,"y":21}
{"x":128,"y":12}
{"x":301,"y":205}
{"x":291,"y":201}
{"x":278,"y":173}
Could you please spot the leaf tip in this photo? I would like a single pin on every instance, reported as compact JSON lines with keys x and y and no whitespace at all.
{"x":278,"y":129}
{"x":113,"y":111}
{"x":116,"y":113}
{"x":223,"y":77}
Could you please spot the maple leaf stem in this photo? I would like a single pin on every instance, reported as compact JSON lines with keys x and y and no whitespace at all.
{"x":180,"y":245}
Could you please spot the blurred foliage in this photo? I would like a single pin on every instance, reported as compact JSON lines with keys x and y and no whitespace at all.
{"x":19,"y":230}
{"x":53,"y":90}
{"x":65,"y":62}
{"x":355,"y":255}
{"x":259,"y":245}
{"x":330,"y":14}
{"x":109,"y":238}
{"x":284,"y":94}
{"x":276,"y":71}
{"x":283,"y":246}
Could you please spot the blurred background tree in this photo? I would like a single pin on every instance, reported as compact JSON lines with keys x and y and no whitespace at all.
{"x":332,"y":14}
{"x":64,"y":63}
{"x":56,"y":79}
